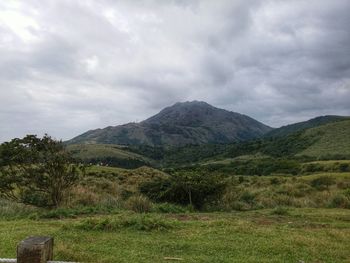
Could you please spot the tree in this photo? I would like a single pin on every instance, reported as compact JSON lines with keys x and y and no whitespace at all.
{"x":36,"y":171}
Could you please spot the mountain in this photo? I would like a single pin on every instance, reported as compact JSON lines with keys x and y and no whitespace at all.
{"x":181,"y":124}
{"x":315,"y":122}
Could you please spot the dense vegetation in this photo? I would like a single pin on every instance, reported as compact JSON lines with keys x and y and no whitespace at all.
{"x":36,"y":171}
{"x":287,"y":197}
{"x":325,"y":142}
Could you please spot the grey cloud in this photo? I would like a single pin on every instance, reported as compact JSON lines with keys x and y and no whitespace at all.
{"x":69,"y":66}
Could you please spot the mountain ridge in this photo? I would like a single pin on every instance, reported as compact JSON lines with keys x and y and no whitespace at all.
{"x":183,"y":123}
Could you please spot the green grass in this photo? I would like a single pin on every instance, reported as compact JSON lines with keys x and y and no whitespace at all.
{"x":107,"y":169}
{"x":339,"y":176}
{"x":89,"y":152}
{"x":309,"y":235}
{"x":333,"y":139}
{"x":100,"y":150}
{"x":239,"y":158}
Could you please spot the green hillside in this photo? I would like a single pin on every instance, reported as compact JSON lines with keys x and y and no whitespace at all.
{"x":326,"y":142}
{"x":300,"y":126}
{"x":329,"y":141}
{"x":332,"y":139}
{"x":107,"y":154}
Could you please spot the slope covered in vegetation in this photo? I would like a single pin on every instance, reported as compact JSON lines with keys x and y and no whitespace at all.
{"x":107,"y":154}
{"x":333,"y":139}
{"x":300,"y":126}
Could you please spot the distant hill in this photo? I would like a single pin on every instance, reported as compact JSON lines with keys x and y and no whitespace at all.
{"x":328,"y":141}
{"x":112,"y":155}
{"x":292,"y":128}
{"x":182,"y":124}
{"x":332,"y":139}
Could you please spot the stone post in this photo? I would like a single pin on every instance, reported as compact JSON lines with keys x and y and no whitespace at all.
{"x":35,"y":250}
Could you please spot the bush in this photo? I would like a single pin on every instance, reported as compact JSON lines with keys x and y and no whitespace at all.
{"x":140,"y":223}
{"x":322,"y":183}
{"x":347,"y":193}
{"x":60,"y":213}
{"x":274,"y":181}
{"x":239,"y":206}
{"x":169,"y":208}
{"x":34,"y":198}
{"x":280,"y":210}
{"x":340,"y":201}
{"x":139,"y":204}
{"x":12,"y":210}
{"x":247,"y":197}
{"x":184,"y":188}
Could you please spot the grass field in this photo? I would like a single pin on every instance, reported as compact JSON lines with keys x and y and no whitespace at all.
{"x":300,"y":235}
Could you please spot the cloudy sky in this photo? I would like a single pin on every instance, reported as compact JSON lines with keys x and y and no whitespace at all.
{"x":70,"y":66}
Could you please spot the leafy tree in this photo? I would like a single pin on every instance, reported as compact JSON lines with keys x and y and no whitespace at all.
{"x":36,"y":171}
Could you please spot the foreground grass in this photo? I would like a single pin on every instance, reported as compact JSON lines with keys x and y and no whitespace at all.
{"x":309,"y":235}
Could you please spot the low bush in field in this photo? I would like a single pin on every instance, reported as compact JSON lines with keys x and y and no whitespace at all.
{"x":236,"y":198}
{"x":60,"y":213}
{"x":340,"y":201}
{"x":139,"y":204}
{"x":136,"y":222}
{"x":322,"y":183}
{"x":335,"y":166}
{"x":281,"y":211}
{"x":13,"y":210}
{"x":169,"y":208}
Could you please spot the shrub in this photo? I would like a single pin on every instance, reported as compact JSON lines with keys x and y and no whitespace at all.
{"x":343,"y":185}
{"x":281,"y":211}
{"x":34,"y":198}
{"x":184,"y":188}
{"x":140,"y":223}
{"x":285,"y":200}
{"x":347,"y":193}
{"x":274,"y":181}
{"x":168,"y":208}
{"x":111,"y":202}
{"x":13,"y":210}
{"x":323,"y":182}
{"x":239,"y":206}
{"x":344,"y":167}
{"x":247,"y":197}
{"x":294,"y":189}
{"x":139,"y":204}
{"x":60,"y":213}
{"x":340,"y":201}
{"x":83,"y":196}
